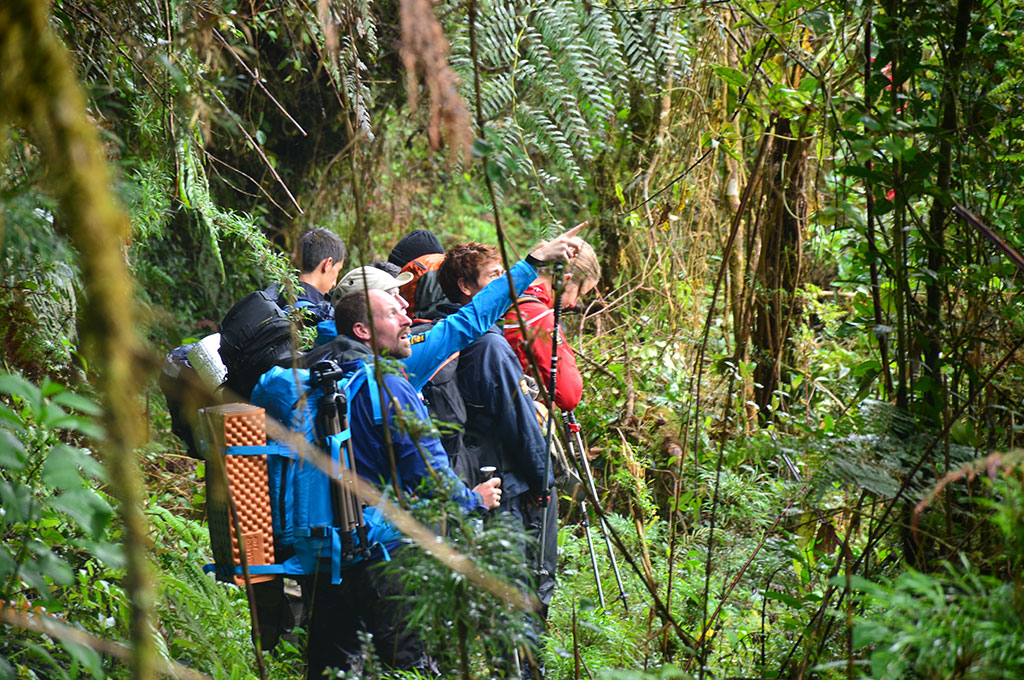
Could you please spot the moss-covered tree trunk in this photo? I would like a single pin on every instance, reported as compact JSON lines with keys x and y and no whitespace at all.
{"x":38,"y":91}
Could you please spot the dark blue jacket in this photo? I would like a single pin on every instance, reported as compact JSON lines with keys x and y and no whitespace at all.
{"x":406,"y":419}
{"x":501,"y":426}
{"x":318,"y":307}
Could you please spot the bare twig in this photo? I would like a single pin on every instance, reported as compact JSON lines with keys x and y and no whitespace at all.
{"x":256,"y":79}
{"x":256,"y":147}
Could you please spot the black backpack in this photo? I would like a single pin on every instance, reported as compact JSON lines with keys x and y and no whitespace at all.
{"x":254,"y":336}
{"x":444,"y":402}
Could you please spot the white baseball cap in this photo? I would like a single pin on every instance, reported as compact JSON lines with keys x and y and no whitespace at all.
{"x":368,"y":277}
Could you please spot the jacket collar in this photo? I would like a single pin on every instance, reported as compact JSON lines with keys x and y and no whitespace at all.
{"x":541,"y":291}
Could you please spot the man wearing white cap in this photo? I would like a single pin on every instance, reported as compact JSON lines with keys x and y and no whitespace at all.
{"x":454,"y":332}
{"x":369,"y":277}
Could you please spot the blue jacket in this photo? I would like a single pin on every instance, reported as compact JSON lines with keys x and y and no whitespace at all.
{"x":317,"y":307}
{"x":301,"y":493}
{"x":405,"y":417}
{"x":501,"y":426}
{"x":451,"y":334}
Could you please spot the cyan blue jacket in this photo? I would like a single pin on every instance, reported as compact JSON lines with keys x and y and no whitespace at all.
{"x":501,"y":420}
{"x":449,"y":335}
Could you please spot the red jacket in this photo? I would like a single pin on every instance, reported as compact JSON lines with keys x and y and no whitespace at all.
{"x":536,"y":306}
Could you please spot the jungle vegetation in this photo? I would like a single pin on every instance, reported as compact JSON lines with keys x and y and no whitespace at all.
{"x":803,"y":367}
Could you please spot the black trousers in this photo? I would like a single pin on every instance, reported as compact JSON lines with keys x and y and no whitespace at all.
{"x":533,"y":518}
{"x":272,"y":611}
{"x":364,"y":601}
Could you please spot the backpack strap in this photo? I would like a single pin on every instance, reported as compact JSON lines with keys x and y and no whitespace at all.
{"x":378,"y":413}
{"x":358,"y":378}
{"x":535,"y":319}
{"x":453,"y":357}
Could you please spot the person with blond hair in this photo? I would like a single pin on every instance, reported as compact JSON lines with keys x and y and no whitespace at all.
{"x":536,"y":305}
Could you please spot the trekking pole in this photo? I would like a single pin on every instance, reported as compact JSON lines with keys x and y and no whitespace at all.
{"x":573,"y":429}
{"x":586,"y":518}
{"x":558,"y":281}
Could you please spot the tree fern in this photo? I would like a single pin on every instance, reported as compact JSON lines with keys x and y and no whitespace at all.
{"x":879,"y":459}
{"x":218,"y":223}
{"x":554,"y":77}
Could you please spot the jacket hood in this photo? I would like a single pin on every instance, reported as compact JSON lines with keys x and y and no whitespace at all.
{"x":540,"y":290}
{"x":418,"y":242}
{"x":341,"y":349}
{"x":429,"y":296}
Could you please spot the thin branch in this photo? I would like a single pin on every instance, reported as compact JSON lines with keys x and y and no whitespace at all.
{"x":256,"y":79}
{"x":257,"y":148}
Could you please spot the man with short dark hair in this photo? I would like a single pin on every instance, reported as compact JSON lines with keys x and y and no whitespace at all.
{"x":319,"y":257}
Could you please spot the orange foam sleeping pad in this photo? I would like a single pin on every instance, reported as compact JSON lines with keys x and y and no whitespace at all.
{"x":240,"y":425}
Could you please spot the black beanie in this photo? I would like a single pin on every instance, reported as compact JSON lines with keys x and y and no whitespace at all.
{"x":417,"y":243}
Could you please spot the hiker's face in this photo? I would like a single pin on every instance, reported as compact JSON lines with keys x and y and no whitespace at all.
{"x":325,"y":276}
{"x":335,"y":273}
{"x":574,"y":291}
{"x":488,"y":271}
{"x":390,"y":325}
{"x":398,"y":298}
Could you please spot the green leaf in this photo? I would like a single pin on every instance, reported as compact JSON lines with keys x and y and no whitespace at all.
{"x":868,"y":632}
{"x":78,"y":403}
{"x":85,"y":426}
{"x":788,"y":600}
{"x":731,"y":76}
{"x":880,"y":663}
{"x":16,"y":501}
{"x":88,"y":510}
{"x":6,"y":669}
{"x":493,"y":171}
{"x":16,"y":423}
{"x":50,"y":388}
{"x":482,"y":148}
{"x":858,"y":583}
{"x":12,"y":452}
{"x":110,"y":554}
{"x":808,"y":84}
{"x":17,"y":386}
{"x":48,"y":564}
{"x":51,"y":415}
{"x":89,"y":658}
{"x":37,"y":651}
{"x":6,"y":562}
{"x":60,"y":470}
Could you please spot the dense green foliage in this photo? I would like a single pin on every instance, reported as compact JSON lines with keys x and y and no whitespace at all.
{"x":798,"y":357}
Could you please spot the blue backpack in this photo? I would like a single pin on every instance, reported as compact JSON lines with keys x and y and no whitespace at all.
{"x":319,"y":526}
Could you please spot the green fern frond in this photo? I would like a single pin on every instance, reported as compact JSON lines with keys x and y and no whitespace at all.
{"x":554,"y":76}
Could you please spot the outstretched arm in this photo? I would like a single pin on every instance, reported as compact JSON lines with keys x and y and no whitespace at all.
{"x":454,"y":332}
